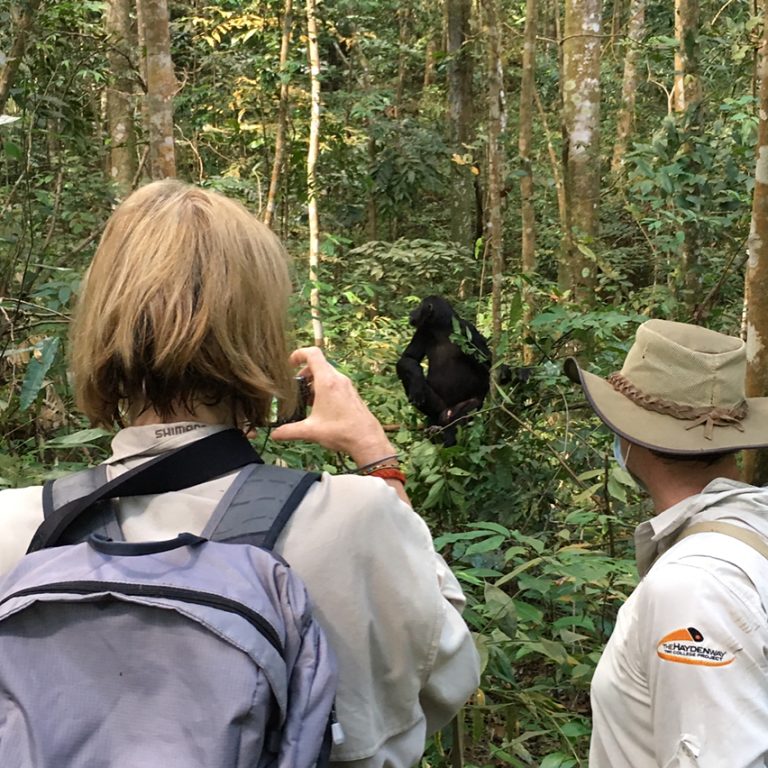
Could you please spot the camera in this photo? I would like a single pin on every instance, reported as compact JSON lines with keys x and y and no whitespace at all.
{"x":304,"y":398}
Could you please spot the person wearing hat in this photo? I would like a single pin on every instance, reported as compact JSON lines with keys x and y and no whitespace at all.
{"x":683,"y":679}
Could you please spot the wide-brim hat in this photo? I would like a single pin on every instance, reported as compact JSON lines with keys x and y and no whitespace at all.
{"x":680,"y":391}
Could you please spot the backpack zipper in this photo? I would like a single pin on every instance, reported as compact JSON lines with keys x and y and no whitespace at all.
{"x":162,"y":591}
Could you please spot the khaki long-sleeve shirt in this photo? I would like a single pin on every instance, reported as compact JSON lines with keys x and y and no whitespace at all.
{"x":388,"y":602}
{"x":683,"y":681}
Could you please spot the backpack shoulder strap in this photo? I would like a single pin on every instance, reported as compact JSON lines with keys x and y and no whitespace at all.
{"x":62,"y":490}
{"x":258,"y":504}
{"x":754,"y":540}
{"x":56,"y":493}
{"x":197,"y":462}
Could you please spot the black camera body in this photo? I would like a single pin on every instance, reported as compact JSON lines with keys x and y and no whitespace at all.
{"x":303,"y":400}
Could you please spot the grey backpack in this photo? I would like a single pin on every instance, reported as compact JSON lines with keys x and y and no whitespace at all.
{"x":198,"y":652}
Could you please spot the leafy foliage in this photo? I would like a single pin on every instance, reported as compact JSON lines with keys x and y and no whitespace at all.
{"x":527,"y":508}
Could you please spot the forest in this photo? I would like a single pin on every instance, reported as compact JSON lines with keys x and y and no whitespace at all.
{"x":559,"y":170}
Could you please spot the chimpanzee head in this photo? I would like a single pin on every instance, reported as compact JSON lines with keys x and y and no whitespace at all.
{"x":432,"y":312}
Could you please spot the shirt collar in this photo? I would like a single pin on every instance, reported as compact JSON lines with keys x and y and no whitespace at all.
{"x":655,"y":536}
{"x":152,"y":439}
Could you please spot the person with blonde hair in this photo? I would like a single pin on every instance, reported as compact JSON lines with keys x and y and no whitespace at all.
{"x":683,"y":680}
{"x":180,"y":332}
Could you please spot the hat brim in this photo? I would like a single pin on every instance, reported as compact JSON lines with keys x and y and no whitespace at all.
{"x":664,"y":433}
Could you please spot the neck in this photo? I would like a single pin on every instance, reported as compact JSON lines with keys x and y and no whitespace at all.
{"x":204,"y":414}
{"x":669,"y":482}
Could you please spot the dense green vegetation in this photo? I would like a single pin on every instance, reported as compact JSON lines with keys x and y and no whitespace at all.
{"x":528,"y":508}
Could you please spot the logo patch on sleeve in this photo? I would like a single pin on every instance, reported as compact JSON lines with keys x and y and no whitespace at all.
{"x":687,"y":646}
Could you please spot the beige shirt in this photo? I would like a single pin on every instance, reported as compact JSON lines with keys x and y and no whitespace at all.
{"x":683,"y":681}
{"x":388,"y":602}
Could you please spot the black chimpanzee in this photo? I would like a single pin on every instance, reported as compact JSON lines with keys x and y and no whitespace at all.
{"x":459,"y":365}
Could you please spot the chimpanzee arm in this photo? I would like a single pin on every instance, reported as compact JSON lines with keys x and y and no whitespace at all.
{"x":411,"y":374}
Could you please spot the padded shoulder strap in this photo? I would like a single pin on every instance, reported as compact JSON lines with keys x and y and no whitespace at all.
{"x":196,"y":462}
{"x":258,"y":504}
{"x":751,"y":538}
{"x":56,"y":493}
{"x":104,"y":520}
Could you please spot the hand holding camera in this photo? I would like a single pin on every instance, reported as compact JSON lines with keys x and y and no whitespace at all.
{"x":339,"y":420}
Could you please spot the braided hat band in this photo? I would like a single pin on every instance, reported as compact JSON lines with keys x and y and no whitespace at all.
{"x":709,"y":417}
{"x":677,"y":377}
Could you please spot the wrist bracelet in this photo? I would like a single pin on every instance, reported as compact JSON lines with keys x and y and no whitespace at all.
{"x":389,"y":464}
{"x":388,"y":473}
{"x":367,"y":468}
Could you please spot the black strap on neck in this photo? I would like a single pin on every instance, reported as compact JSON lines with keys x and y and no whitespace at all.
{"x":194,"y":463}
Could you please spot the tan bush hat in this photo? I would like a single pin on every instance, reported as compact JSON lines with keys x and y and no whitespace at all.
{"x":681,"y":390}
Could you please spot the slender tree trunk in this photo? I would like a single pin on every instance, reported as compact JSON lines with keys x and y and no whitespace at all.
{"x":687,"y":103}
{"x":687,"y":94}
{"x":22,"y":18}
{"x":429,"y":62}
{"x":581,"y":123}
{"x":496,"y":120}
{"x":458,"y":19}
{"x":403,"y":23}
{"x":282,"y":114}
{"x":528,"y":235}
{"x":122,"y":132}
{"x":626,"y":119}
{"x":312,"y":152}
{"x":756,"y":462}
{"x":161,"y":86}
{"x":617,"y":13}
{"x":371,"y":209}
{"x":557,"y":176}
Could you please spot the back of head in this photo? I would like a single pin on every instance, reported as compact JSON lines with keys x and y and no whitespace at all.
{"x":185,"y":303}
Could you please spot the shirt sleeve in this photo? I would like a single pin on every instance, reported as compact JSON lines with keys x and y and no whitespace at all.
{"x":391,"y":608}
{"x":704,"y":638}
{"x":21,"y":513}
{"x":456,"y":662}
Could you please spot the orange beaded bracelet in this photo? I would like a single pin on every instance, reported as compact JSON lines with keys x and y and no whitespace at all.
{"x":388,"y":473}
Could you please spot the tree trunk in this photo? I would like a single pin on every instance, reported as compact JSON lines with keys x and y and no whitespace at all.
{"x":429,"y":62}
{"x":616,"y":16}
{"x":581,"y":125}
{"x":687,"y":101}
{"x":528,"y":234}
{"x":458,"y":17}
{"x":22,"y":17}
{"x":282,"y":114}
{"x":496,"y":119}
{"x":626,"y":119}
{"x":161,"y":86}
{"x":756,"y":462}
{"x":314,"y":143}
{"x":122,"y":133}
{"x":687,"y":93}
{"x":403,"y":23}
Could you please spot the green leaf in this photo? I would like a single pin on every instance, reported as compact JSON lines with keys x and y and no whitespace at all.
{"x":81,"y":437}
{"x":34,"y":378}
{"x":558,"y":760}
{"x":490,"y":526}
{"x":451,"y":538}
{"x":434,"y":494}
{"x":490,"y":544}
{"x":501,"y":610}
{"x":482,"y":643}
{"x":587,"y":493}
{"x":515,"y":572}
{"x":12,"y":150}
{"x":616,"y":490}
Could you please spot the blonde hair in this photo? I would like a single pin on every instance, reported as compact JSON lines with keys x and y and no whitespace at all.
{"x":185,"y":302}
